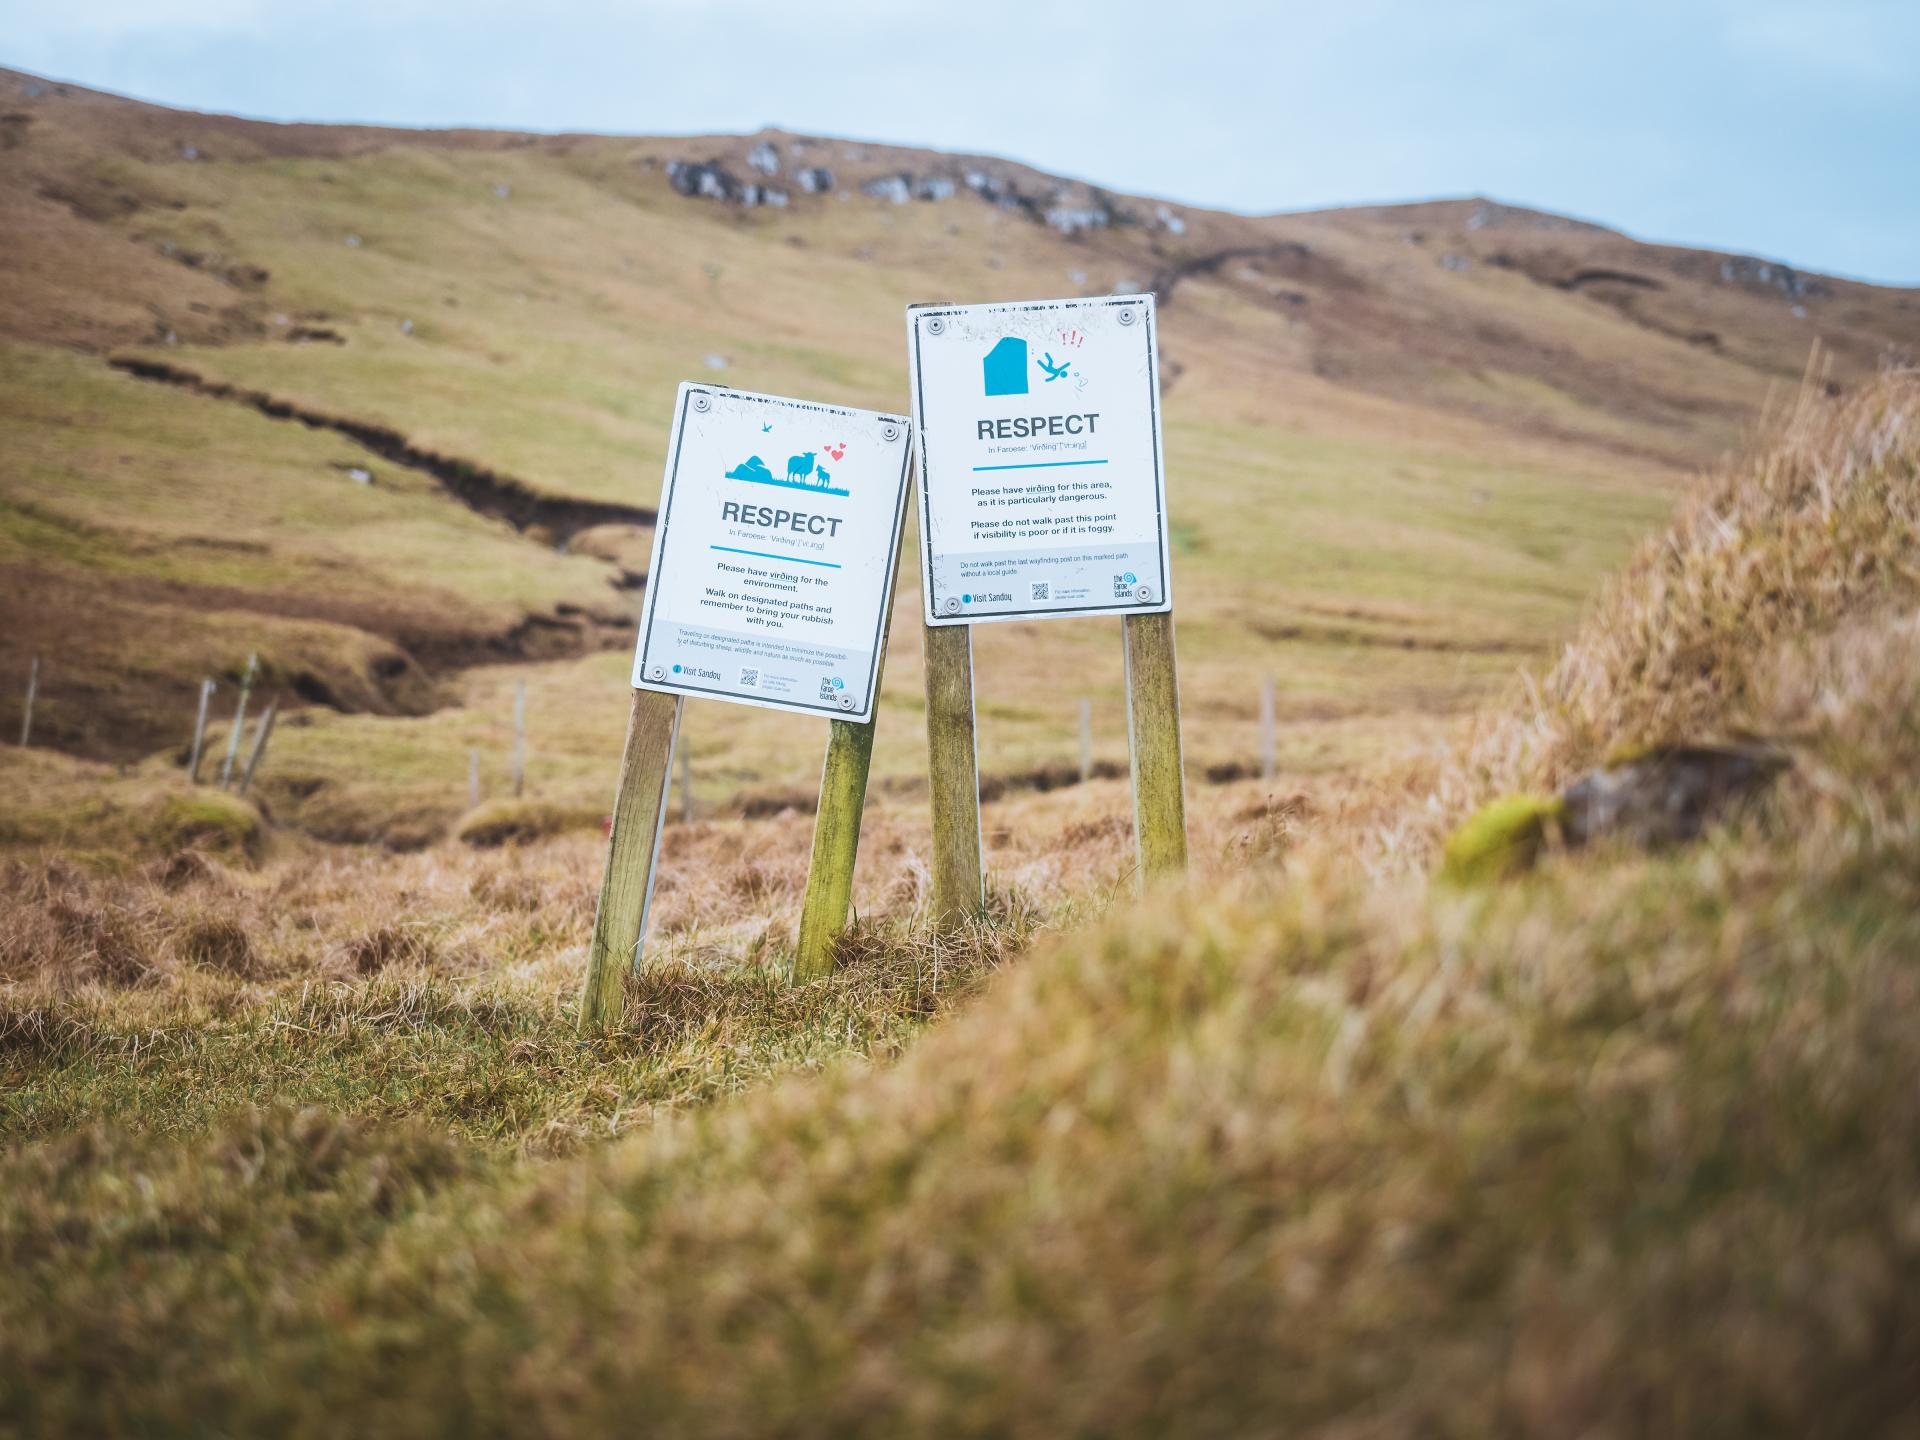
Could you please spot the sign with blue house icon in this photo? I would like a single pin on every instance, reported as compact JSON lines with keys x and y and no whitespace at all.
{"x":1006,"y":367}
{"x":1042,"y":491}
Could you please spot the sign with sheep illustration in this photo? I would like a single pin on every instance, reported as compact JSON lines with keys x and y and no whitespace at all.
{"x":770,"y":586}
{"x":1042,"y":490}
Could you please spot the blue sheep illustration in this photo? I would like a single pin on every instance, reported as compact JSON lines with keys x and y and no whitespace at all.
{"x":822,"y":476}
{"x":799,"y":467}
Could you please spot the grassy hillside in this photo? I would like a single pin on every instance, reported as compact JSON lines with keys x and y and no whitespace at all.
{"x":1623,"y":1145}
{"x":1402,"y":443}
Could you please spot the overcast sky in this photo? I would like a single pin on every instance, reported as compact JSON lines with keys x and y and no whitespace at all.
{"x":1788,"y":130}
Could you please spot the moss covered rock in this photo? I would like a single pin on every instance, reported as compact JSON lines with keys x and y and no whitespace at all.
{"x":212,"y":821}
{"x":1502,"y":838}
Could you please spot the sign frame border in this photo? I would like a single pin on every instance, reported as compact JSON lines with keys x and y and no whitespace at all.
{"x":694,"y":691}
{"x":917,"y":313}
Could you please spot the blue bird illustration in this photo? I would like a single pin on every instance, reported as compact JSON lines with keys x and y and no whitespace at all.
{"x":1054,"y":372}
{"x":765,"y":426}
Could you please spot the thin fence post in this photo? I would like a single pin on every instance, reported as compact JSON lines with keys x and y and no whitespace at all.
{"x":1269,"y":744}
{"x":953,"y":770}
{"x":1086,"y":740}
{"x":633,"y":848}
{"x":473,"y":778}
{"x":1153,"y":742}
{"x":239,"y":720}
{"x":259,"y":743}
{"x":519,"y":737}
{"x":199,"y":731}
{"x":33,"y":691}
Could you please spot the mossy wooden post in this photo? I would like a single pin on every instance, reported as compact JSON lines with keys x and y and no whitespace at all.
{"x":836,"y":845}
{"x":633,"y":845}
{"x":1153,"y":742}
{"x":953,"y":772}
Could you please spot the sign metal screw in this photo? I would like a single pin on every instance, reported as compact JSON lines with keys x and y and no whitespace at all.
{"x":657,"y":672}
{"x":936,"y":326}
{"x":952,"y":605}
{"x":1143,"y":593}
{"x":889,"y":432}
{"x":846,"y":702}
{"x":702,"y":403}
{"x":1126,"y":316}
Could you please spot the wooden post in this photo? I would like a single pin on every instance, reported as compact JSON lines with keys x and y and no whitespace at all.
{"x":33,"y":691}
{"x":836,"y":832}
{"x":1269,"y":745}
{"x":1153,"y":742}
{"x":519,"y":737}
{"x":199,"y":732}
{"x":1086,"y":740}
{"x":239,"y":720}
{"x":953,"y":770}
{"x":259,"y":743}
{"x":686,"y":784}
{"x":836,"y":845}
{"x":633,"y":845}
{"x":473,"y":778}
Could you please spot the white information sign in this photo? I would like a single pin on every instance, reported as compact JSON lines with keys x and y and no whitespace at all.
{"x":1042,"y":491}
{"x":774,"y":554}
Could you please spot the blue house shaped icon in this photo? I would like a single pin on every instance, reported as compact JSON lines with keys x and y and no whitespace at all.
{"x":1006,"y":367}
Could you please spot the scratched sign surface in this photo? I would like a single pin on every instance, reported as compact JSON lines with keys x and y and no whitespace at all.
{"x":774,"y":554}
{"x":1042,"y":491}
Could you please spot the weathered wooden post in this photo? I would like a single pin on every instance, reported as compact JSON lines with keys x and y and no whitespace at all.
{"x":686,"y":784}
{"x":1269,"y":742}
{"x":953,"y":776}
{"x":1043,"y":496}
{"x":1086,"y":740}
{"x":519,"y":737}
{"x":33,"y":690}
{"x":259,"y":743}
{"x":633,"y":847}
{"x":1153,"y":742}
{"x":473,"y":777}
{"x":764,"y":591}
{"x":836,"y":845}
{"x":239,"y":721}
{"x":199,"y":731}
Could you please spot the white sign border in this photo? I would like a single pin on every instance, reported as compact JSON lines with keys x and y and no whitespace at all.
{"x":688,"y":389}
{"x":916,"y":314}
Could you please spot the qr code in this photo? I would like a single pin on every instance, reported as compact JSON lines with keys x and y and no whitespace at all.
{"x":749,"y":677}
{"x":1041,"y":590}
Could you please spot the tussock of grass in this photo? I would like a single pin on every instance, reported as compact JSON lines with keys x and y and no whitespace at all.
{"x":1820,"y":524}
{"x":507,"y":822}
{"x":213,"y":821}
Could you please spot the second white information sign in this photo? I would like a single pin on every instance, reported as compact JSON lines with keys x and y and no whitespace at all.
{"x":1042,"y":491}
{"x":774,"y":553}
